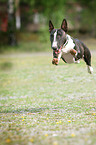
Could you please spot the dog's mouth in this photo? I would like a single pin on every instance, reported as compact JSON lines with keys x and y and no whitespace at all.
{"x":58,"y":50}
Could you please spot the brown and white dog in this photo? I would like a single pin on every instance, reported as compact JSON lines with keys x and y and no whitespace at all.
{"x":70,"y":50}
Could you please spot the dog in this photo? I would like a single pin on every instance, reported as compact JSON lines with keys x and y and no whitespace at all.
{"x":69,"y":49}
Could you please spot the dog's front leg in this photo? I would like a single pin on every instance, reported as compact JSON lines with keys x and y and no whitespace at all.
{"x":59,"y":55}
{"x":56,"y":60}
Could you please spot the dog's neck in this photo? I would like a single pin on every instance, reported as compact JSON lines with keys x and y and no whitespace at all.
{"x":66,"y":41}
{"x":68,"y":45}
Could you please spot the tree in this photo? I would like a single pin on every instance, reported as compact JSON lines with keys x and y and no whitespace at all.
{"x":11,"y":23}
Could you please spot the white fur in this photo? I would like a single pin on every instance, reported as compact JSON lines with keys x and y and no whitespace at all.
{"x":90,"y":69}
{"x":76,"y":61}
{"x":69,"y":46}
{"x":65,"y":52}
{"x":59,"y":56}
{"x":54,"y":44}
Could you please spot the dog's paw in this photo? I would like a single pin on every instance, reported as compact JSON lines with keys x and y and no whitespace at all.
{"x":90,"y":69}
{"x":55,"y":61}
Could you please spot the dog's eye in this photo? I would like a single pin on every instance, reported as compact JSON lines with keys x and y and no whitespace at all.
{"x":51,"y":36}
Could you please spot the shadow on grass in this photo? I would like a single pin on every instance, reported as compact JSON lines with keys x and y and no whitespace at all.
{"x":6,"y":66}
{"x":31,"y":110}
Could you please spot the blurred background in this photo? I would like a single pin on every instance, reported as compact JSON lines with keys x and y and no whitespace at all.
{"x":24,"y":24}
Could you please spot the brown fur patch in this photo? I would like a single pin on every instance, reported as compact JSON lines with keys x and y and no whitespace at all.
{"x":55,"y":61}
{"x":73,"y":52}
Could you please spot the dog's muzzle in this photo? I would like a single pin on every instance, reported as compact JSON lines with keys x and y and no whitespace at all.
{"x":57,"y":51}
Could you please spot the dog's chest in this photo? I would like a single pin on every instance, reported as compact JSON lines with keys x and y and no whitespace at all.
{"x":68,"y":45}
{"x":68,"y":57}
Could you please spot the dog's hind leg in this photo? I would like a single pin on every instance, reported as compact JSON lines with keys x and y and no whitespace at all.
{"x":90,"y":69}
{"x":87,"y":59}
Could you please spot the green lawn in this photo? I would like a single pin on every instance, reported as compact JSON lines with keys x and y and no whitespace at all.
{"x":43,"y":104}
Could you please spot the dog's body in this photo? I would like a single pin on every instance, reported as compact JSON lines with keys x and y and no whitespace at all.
{"x":69,"y":49}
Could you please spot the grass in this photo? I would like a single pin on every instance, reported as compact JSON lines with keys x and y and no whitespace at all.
{"x":26,"y":47}
{"x":43,"y":45}
{"x":43,"y":104}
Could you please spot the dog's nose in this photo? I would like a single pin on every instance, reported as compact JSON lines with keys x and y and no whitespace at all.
{"x":54,"y":48}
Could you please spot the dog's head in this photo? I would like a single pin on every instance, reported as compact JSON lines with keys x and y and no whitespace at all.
{"x":57,"y":38}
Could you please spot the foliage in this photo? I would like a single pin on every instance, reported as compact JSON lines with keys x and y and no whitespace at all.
{"x":46,"y":8}
{"x":3,"y":0}
{"x":57,"y":10}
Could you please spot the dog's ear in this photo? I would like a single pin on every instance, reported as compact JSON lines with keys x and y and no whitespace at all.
{"x":51,"y":27}
{"x":64,"y":25}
